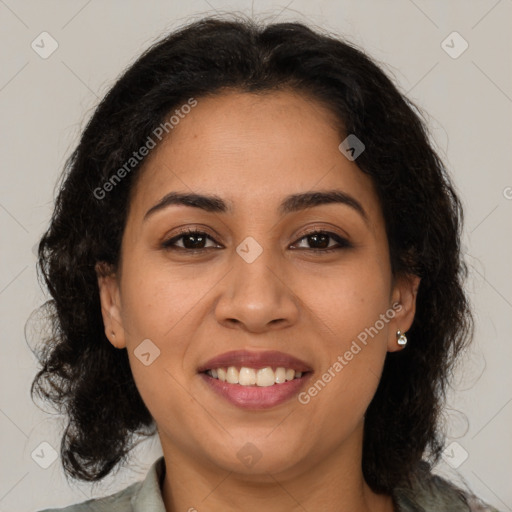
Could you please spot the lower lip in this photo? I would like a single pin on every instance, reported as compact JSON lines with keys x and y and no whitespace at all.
{"x":256,"y":397}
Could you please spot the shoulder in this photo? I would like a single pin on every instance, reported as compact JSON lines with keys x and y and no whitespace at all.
{"x":427,"y":492}
{"x":120,"y":501}
{"x":142,"y":496}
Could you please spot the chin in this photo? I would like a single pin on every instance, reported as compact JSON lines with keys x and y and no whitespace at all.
{"x":258,"y":456}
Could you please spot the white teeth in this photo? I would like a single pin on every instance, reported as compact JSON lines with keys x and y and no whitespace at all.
{"x":247,"y":376}
{"x":262,"y":377}
{"x":280,"y":375}
{"x":265,"y":377}
{"x":232,"y":375}
{"x":290,"y":374}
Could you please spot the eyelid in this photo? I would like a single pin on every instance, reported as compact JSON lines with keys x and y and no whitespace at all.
{"x":321,"y":229}
{"x":168,"y":243}
{"x":341,"y":240}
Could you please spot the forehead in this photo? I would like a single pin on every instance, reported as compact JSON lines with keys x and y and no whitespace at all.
{"x":252,"y":150}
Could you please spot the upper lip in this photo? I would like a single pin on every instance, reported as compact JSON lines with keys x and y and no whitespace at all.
{"x":255,"y":360}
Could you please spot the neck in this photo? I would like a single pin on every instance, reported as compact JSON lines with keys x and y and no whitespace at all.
{"x":334,"y":484}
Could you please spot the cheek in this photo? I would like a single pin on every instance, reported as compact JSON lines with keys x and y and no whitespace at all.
{"x":159,"y":300}
{"x":348,"y":308}
{"x":346,"y":300}
{"x":158,"y":305}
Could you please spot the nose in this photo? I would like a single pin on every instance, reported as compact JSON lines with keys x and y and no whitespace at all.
{"x":257,"y":296}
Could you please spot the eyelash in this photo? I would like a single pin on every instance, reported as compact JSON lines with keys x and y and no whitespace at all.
{"x":169,"y":244}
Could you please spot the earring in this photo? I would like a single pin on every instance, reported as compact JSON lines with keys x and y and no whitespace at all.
{"x":402,"y":340}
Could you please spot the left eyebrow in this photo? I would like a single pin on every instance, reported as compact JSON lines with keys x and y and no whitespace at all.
{"x":292,"y":203}
{"x":297,"y":202}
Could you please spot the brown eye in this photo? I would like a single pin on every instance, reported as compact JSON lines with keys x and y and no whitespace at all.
{"x":319,"y":241}
{"x":193,"y":240}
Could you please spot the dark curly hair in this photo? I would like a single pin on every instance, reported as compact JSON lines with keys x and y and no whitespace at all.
{"x":90,"y":380}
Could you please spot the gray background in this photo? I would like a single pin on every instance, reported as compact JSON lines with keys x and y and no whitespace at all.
{"x":45,"y":103}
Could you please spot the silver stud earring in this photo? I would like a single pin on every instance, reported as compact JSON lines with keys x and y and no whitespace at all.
{"x":402,"y":340}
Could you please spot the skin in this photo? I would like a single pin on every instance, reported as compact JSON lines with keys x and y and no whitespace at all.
{"x":254,"y":150}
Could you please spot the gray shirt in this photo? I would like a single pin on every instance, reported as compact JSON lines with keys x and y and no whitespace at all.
{"x":428,"y":493}
{"x":143,"y":496}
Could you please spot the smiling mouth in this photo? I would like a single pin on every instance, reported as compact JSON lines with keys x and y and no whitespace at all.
{"x":257,"y":377}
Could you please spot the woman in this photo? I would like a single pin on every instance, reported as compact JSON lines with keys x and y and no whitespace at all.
{"x":255,"y":254}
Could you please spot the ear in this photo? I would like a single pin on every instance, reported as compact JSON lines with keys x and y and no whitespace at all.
{"x":110,"y":304}
{"x":403,"y":299}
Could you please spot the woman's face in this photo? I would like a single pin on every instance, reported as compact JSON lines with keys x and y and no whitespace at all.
{"x":257,"y":282}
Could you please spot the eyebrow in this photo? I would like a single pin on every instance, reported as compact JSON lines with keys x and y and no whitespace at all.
{"x":292,"y":203}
